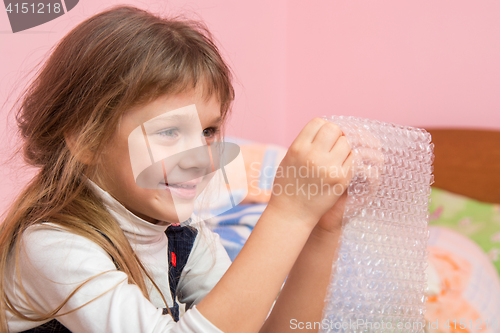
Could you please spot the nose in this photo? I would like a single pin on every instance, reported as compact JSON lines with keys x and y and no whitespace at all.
{"x":197,"y":156}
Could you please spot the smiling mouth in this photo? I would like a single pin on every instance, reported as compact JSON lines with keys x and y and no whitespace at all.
{"x":179,"y":185}
{"x":185,"y":190}
{"x":190,"y":184}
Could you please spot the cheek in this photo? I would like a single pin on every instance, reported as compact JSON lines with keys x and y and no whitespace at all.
{"x":138,"y":152}
{"x":150,"y":164}
{"x":117,"y":169}
{"x":161,"y":151}
{"x":207,"y":179}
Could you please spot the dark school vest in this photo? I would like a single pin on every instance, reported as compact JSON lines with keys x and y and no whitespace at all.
{"x":180,"y":243}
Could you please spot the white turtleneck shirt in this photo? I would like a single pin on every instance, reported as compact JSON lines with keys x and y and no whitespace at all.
{"x":53,"y":262}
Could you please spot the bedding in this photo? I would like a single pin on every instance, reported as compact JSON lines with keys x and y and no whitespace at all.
{"x":476,"y":220}
{"x":235,"y":225}
{"x":463,"y":285}
{"x":261,"y":161}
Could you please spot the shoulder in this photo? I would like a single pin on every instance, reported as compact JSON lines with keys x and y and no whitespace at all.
{"x":53,"y":263}
{"x":51,"y":237}
{"x":49,"y":249}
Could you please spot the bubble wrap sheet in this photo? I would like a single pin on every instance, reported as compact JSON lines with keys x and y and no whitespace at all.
{"x":378,"y":281}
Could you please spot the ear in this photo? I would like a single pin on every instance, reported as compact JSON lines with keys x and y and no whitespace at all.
{"x":83,"y":156}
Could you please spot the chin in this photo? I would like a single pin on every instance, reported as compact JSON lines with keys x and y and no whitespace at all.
{"x":184,"y":211}
{"x":171,"y":213}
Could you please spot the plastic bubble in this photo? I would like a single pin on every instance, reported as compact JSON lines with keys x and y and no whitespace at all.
{"x":383,"y":250}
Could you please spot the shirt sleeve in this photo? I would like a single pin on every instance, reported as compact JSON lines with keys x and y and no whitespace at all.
{"x":53,"y":263}
{"x":206,"y":264}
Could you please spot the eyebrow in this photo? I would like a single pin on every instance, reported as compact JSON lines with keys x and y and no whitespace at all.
{"x":165,"y":119}
{"x":168,"y":117}
{"x":217,"y":121}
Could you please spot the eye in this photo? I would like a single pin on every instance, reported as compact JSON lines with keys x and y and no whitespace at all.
{"x":210,"y":132}
{"x":170,"y":133}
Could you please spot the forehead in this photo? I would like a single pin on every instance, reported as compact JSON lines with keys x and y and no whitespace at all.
{"x":186,"y":105}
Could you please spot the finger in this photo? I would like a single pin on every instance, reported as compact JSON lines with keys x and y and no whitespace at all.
{"x":309,"y":131}
{"x":327,"y":137}
{"x":340,"y":150}
{"x":341,"y":200}
{"x":375,"y":156}
{"x":347,"y":167}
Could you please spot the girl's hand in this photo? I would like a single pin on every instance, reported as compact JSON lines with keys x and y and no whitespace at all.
{"x":366,"y":167}
{"x":331,"y":221}
{"x":314,"y":173}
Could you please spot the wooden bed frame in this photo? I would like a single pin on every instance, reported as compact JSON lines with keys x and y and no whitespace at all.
{"x":467,"y":162}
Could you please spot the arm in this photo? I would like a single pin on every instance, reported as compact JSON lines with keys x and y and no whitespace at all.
{"x":243,"y":297}
{"x":302,"y":297}
{"x":241,"y":301}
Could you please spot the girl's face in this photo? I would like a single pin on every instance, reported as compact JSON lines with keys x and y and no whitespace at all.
{"x":157,"y":163}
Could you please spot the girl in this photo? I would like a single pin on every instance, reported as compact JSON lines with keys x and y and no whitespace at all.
{"x":85,"y":249}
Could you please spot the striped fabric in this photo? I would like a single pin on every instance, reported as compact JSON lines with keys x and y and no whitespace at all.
{"x":235,"y":225}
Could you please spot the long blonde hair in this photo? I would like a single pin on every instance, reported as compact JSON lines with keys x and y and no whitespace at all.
{"x":111,"y":62}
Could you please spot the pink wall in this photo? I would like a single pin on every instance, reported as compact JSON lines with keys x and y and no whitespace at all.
{"x":418,"y":63}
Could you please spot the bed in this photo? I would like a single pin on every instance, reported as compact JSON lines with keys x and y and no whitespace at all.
{"x":464,"y":242}
{"x":467,"y":162}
